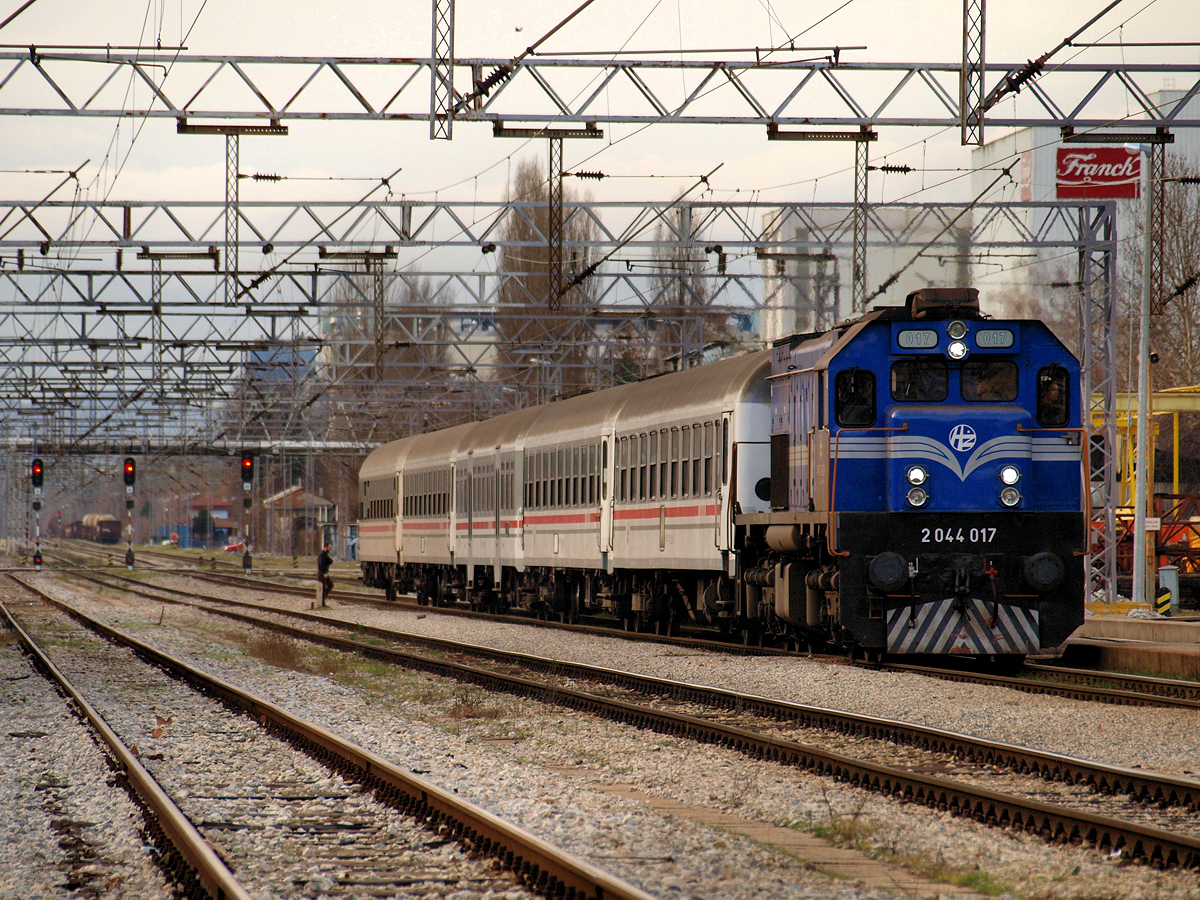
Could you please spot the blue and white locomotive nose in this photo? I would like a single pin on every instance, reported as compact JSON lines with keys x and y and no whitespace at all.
{"x":952,"y":458}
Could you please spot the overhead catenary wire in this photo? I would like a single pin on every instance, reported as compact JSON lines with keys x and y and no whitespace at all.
{"x":891,"y":279}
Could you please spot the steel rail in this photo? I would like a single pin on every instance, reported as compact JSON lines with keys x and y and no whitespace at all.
{"x":1142,"y":684}
{"x":1146,"y":787}
{"x":187,"y":857}
{"x":1058,"y":689}
{"x":1159,"y":692}
{"x":537,"y":863}
{"x":1148,"y":691}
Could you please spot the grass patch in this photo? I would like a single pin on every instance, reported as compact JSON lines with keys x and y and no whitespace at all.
{"x":938,"y":870}
{"x":469,"y":703}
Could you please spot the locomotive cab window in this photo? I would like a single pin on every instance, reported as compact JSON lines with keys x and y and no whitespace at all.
{"x":989,"y":380}
{"x":854,"y":403}
{"x":920,"y":380}
{"x":1053,"y":399}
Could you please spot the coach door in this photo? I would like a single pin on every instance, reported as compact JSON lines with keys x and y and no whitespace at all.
{"x":456,"y":506}
{"x":498,"y":506}
{"x":726,"y":466}
{"x":607,"y":466}
{"x":469,"y":511}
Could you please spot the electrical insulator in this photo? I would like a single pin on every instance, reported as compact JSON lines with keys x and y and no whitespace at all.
{"x":37,"y":473}
{"x":130,"y":471}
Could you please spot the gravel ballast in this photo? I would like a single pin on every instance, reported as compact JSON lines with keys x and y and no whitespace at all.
{"x":540,"y":766}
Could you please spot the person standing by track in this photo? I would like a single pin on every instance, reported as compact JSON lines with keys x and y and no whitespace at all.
{"x":324,"y":562}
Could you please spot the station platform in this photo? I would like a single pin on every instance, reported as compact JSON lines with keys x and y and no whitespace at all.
{"x":1112,"y":639}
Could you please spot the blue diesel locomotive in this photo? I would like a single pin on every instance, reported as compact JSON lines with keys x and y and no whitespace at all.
{"x":927,"y":484}
{"x":909,"y":482}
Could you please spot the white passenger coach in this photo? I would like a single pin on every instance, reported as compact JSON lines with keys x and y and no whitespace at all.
{"x":621,"y":500}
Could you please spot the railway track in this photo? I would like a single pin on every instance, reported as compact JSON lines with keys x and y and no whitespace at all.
{"x":334,"y":811}
{"x":1092,"y":686}
{"x":1087,"y":786}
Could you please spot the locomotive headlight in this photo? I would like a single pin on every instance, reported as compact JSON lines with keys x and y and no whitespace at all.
{"x":957,"y":350}
{"x":957,"y":330}
{"x":916,"y":475}
{"x":1010,"y":496}
{"x":917,"y":497}
{"x":1010,"y":475}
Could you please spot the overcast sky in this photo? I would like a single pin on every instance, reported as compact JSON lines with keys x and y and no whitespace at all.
{"x":159,"y":164}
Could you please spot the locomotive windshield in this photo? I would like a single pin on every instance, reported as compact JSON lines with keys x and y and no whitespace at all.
{"x":1052,"y":405}
{"x":989,"y":380}
{"x":923,"y":380}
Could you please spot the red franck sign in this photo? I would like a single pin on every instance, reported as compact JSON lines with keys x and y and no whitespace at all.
{"x":1098,"y":173}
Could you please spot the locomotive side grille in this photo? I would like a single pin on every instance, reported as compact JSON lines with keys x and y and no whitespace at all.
{"x":938,"y":627}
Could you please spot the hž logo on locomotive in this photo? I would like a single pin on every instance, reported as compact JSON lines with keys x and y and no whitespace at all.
{"x":1098,"y":173}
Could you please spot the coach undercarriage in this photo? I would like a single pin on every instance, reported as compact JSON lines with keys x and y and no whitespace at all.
{"x":655,"y":601}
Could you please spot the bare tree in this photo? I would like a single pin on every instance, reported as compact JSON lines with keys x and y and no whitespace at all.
{"x":543,"y":353}
{"x":1175,"y":329}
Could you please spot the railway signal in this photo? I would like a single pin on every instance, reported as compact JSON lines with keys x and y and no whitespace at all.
{"x":247,"y":486}
{"x":37,"y":475}
{"x":129,"y":470}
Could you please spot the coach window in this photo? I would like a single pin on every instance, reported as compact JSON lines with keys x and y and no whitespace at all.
{"x":646,"y":460}
{"x":988,"y":380}
{"x":675,"y":462}
{"x":577,"y":477}
{"x":593,"y":475}
{"x":1053,"y":399}
{"x":708,"y":459}
{"x":619,"y":469}
{"x":589,"y":496}
{"x":854,"y":393}
{"x":697,"y":446}
{"x":685,"y":461}
{"x":923,"y":380}
{"x":629,"y":467}
{"x":544,"y":480}
{"x":562,"y":479}
{"x":653,"y":465}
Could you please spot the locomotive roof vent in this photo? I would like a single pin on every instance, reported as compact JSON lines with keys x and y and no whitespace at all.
{"x":943,"y":303}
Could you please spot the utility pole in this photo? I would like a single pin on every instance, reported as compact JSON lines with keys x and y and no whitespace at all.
{"x":232,"y":134}
{"x":441,"y":91}
{"x":970,"y":85}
